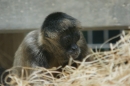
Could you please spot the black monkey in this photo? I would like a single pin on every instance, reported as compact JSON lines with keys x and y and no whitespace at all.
{"x":51,"y":46}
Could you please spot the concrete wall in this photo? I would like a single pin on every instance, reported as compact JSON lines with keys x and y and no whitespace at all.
{"x":29,"y":14}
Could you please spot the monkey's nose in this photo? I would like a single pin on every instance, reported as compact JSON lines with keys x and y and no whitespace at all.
{"x":74,"y":47}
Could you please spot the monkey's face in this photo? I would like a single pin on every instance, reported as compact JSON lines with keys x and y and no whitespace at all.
{"x":69,"y":40}
{"x":65,"y":42}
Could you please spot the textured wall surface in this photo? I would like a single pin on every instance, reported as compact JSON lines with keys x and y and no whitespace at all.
{"x":28,"y":14}
{"x":8,"y":46}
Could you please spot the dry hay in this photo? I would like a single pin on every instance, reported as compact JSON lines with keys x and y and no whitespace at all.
{"x":109,"y":68}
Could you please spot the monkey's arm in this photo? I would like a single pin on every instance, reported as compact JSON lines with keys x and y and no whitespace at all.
{"x":85,"y":50}
{"x":39,"y":59}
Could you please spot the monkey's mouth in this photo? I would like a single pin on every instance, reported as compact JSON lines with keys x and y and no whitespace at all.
{"x":74,"y":56}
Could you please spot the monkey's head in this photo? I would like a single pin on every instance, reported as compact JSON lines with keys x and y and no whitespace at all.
{"x":62,"y":31}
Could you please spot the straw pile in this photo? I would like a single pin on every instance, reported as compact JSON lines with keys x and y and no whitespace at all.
{"x":109,"y":68}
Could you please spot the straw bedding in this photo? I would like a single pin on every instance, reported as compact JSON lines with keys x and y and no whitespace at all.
{"x":108,"y":68}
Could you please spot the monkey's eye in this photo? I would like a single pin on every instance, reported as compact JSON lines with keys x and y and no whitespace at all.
{"x":67,"y":39}
{"x":76,"y":37}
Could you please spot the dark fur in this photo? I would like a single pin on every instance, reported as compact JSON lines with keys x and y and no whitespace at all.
{"x":46,"y":47}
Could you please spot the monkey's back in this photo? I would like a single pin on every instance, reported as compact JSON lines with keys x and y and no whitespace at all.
{"x":22,"y":54}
